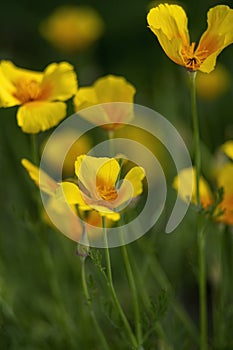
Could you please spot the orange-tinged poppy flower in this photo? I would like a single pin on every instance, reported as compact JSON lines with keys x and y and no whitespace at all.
{"x":40,"y":95}
{"x":98,"y":187}
{"x":71,"y":28}
{"x":107,"y":89}
{"x":170,"y":24}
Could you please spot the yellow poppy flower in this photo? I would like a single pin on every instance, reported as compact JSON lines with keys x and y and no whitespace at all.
{"x":40,"y":95}
{"x":71,"y":28}
{"x":169,"y":24}
{"x":98,"y":186}
{"x":107,"y":89}
{"x":59,"y":211}
{"x":185,"y":179}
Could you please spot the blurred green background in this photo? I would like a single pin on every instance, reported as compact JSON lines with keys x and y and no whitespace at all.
{"x":32,"y":303}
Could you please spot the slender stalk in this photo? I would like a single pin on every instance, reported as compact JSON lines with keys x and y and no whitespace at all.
{"x":111,"y":146}
{"x":134,"y":294}
{"x":200,"y":230}
{"x":154,"y":267}
{"x":225,"y":285}
{"x":196,"y":133}
{"x":88,"y":300}
{"x":163,"y":281}
{"x":202,"y":288}
{"x":34,"y":149}
{"x":117,"y":304}
{"x":55,"y":289}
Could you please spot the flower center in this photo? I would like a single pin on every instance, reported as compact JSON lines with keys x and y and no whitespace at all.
{"x":193,"y":59}
{"x":27,"y":90}
{"x":108,"y":193}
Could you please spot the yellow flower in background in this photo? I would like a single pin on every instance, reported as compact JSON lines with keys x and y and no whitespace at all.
{"x":185,"y":179}
{"x":59,"y":211}
{"x":227,"y":148}
{"x":98,"y":188}
{"x":170,"y":24}
{"x":71,"y":28}
{"x":51,"y":156}
{"x":224,"y":180}
{"x":107,"y":89}
{"x":213,"y":85}
{"x":40,"y":95}
{"x":41,"y":179}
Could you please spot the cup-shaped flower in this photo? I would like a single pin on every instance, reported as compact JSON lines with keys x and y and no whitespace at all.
{"x":99,"y":187}
{"x":71,"y":28}
{"x":186,"y":180}
{"x":107,"y":89}
{"x":40,"y":95}
{"x":60,"y":213}
{"x":170,"y":24}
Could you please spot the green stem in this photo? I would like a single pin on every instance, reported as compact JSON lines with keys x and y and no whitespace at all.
{"x":34,"y":146}
{"x":117,"y":304}
{"x":196,"y":134}
{"x":55,"y":289}
{"x":202,"y":287}
{"x":111,"y":146}
{"x":88,"y":300}
{"x":134,"y":294}
{"x":160,"y":276}
{"x":178,"y":309}
{"x":200,"y":228}
{"x":225,"y":285}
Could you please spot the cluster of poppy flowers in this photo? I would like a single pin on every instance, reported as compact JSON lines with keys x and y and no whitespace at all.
{"x":41,"y":99}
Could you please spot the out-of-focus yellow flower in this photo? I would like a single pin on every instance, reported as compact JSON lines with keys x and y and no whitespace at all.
{"x":98,"y":186}
{"x":170,"y":24}
{"x":71,"y":28}
{"x":150,"y":143}
{"x":223,"y":177}
{"x":40,"y":95}
{"x":41,"y":179}
{"x":59,"y":211}
{"x":106,"y":89}
{"x":213,"y":85}
{"x":227,"y":148}
{"x":51,"y":156}
{"x":224,"y":180}
{"x":185,"y":180}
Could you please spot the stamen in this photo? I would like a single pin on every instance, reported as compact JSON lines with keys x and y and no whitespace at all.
{"x":109,"y":194}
